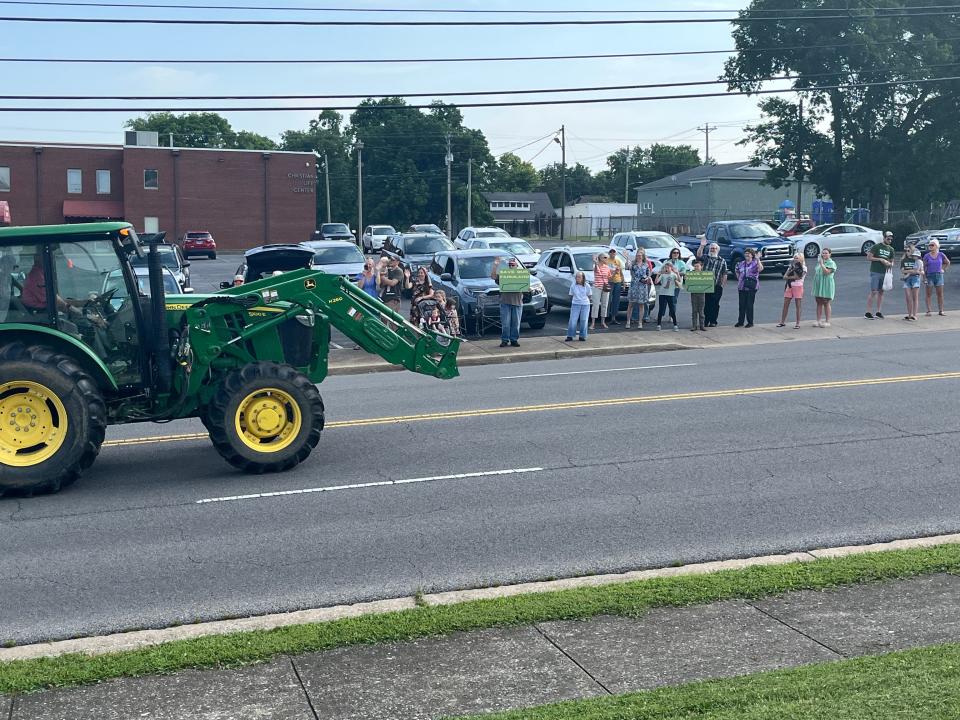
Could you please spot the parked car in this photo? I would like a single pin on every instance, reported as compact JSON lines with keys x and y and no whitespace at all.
{"x":656,"y":245}
{"x":429,"y":229}
{"x":794,"y":226}
{"x":842,"y":238}
{"x":466,"y":274}
{"x":469,"y":233}
{"x":171,"y":257}
{"x":198,"y":242}
{"x":266,"y":260}
{"x":947,"y":234}
{"x":336,"y":257}
{"x":374,"y":236}
{"x":114,"y":282}
{"x":334,"y":231}
{"x":415,"y":250}
{"x":521,"y":248}
{"x":559,"y":265}
{"x":735,"y":236}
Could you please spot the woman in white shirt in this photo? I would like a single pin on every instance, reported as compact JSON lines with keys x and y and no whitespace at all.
{"x":580,"y":294}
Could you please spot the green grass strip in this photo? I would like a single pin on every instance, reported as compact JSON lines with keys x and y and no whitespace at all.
{"x":627,"y":599}
{"x":922,"y":683}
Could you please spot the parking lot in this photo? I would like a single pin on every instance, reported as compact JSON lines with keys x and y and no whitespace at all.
{"x":852,"y":279}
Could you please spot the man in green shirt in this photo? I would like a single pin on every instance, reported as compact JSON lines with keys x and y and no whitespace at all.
{"x":881,"y":260}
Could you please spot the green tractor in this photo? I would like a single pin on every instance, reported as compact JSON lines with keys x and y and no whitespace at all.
{"x":86,"y":342}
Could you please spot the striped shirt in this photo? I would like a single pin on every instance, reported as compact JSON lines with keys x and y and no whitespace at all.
{"x":601,"y":275}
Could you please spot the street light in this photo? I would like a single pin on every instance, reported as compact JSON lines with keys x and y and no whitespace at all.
{"x":562,"y":140}
{"x":358,"y":145}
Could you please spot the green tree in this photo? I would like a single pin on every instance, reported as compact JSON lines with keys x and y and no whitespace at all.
{"x":874,"y":133}
{"x":252,"y":141}
{"x":663,"y":160}
{"x":200,"y":130}
{"x":511,"y":174}
{"x":579,"y":181}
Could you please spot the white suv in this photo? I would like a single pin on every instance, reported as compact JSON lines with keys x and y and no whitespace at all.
{"x":469,"y":233}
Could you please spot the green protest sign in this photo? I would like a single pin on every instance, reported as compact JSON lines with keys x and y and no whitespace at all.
{"x":699,"y":281}
{"x":514,"y":280}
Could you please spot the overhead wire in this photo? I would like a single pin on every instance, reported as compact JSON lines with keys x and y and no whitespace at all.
{"x":431,"y":11}
{"x":503,"y":58}
{"x":513,"y":103}
{"x":880,"y":14}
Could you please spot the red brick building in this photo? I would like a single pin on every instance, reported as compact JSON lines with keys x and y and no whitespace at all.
{"x":244,"y":198}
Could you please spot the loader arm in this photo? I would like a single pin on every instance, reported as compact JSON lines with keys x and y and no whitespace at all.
{"x":368,"y":322}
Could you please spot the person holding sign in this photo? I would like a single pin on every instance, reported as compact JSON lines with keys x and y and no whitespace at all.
{"x":698,"y":295}
{"x":513,"y":282}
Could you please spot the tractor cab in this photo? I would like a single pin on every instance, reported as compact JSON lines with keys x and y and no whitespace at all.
{"x":72,"y":286}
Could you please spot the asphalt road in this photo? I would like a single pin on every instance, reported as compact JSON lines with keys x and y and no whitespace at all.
{"x":852,"y":286}
{"x":670,"y":475}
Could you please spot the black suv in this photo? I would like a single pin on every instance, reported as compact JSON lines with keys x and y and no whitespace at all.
{"x":334,"y":231}
{"x":415,"y":250}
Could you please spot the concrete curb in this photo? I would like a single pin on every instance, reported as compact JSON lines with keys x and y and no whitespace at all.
{"x":515,"y":357}
{"x":120,"y":642}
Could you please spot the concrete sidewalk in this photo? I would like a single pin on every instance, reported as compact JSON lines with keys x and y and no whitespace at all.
{"x":618,"y":341}
{"x":507,"y":668}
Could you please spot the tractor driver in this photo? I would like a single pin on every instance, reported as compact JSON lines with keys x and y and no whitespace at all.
{"x":33,"y":294}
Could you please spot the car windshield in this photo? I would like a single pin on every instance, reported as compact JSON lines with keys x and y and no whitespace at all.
{"x":584,"y":261}
{"x":115,"y":282}
{"x":949,"y":224}
{"x":817,"y":230}
{"x":517,"y":247}
{"x":334,"y":229}
{"x":427,"y":229}
{"x":382,"y":230}
{"x":337,"y":255}
{"x":427,"y":245}
{"x":492,"y":233}
{"x":168,"y":258}
{"x":788,"y":225}
{"x":752,"y":231}
{"x":656,"y":241}
{"x":474,"y":268}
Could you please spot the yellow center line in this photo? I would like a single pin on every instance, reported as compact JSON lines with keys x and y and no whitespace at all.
{"x":518,"y":409}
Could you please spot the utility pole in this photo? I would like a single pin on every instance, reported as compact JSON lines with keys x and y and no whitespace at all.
{"x":359,"y":146}
{"x":800,"y":163}
{"x":626,"y":185}
{"x":563,"y":177}
{"x":449,"y":160}
{"x":470,"y":192}
{"x":326,"y":173}
{"x":706,"y":130}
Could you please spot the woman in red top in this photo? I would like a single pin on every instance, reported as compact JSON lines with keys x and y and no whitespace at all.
{"x":601,"y":291}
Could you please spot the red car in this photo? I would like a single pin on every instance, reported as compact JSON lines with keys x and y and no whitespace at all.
{"x":795,"y":226}
{"x":198,"y":242}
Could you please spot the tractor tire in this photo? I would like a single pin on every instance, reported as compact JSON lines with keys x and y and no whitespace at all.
{"x":265,"y":418}
{"x":53,"y":420}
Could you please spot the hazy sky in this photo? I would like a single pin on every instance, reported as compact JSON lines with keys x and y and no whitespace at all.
{"x":593,"y":131}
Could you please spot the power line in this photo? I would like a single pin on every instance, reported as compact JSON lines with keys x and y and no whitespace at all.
{"x":463,"y":93}
{"x":431,"y":11}
{"x":504,"y":58}
{"x":520,"y":103}
{"x":881,"y":14}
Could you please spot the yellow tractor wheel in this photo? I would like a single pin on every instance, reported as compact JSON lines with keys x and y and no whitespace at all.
{"x":265,"y":417}
{"x":52,"y":419}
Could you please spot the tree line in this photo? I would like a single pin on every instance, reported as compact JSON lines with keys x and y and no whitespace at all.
{"x":404,"y":170}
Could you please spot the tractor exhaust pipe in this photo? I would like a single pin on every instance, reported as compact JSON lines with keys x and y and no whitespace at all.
{"x":158,"y":317}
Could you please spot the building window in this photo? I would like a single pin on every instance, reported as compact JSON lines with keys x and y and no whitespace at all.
{"x":151,"y":179}
{"x":74,"y":181}
{"x":103,"y":182}
{"x":510,"y":205}
{"x":4,"y":179}
{"x":151,"y":225}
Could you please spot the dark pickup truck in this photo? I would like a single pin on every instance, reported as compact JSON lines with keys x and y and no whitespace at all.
{"x":735,"y":236}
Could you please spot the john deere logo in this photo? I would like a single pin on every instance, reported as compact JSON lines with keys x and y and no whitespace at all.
{"x":309,"y":283}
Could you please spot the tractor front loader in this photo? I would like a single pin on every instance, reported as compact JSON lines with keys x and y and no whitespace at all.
{"x":85,"y":343}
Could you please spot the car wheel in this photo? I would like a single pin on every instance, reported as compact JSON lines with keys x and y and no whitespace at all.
{"x":537,"y":324}
{"x":811,"y":250}
{"x":866,"y":247}
{"x":212,"y":256}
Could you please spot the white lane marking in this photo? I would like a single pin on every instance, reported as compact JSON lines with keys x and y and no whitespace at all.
{"x":335,"y":345}
{"x":358,"y":486}
{"x":587,"y":372}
